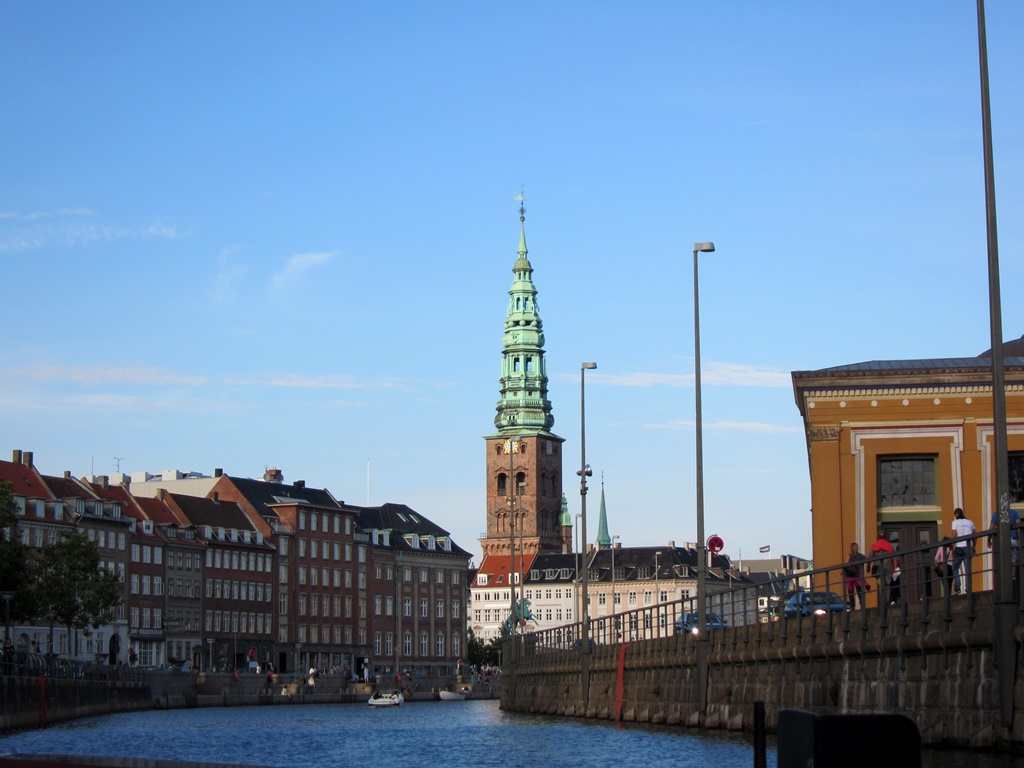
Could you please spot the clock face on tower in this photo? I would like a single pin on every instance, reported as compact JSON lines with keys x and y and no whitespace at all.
{"x":511,"y":446}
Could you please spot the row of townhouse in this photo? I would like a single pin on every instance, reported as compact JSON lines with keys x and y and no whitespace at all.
{"x":225,"y":572}
{"x":653,"y":582}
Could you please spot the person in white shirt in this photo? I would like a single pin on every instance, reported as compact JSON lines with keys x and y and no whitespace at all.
{"x":961,"y":527}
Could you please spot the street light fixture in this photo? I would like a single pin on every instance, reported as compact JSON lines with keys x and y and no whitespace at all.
{"x":7,"y":596}
{"x":614,"y":604}
{"x":584,"y":472}
{"x":702,"y":563}
{"x":50,"y":614}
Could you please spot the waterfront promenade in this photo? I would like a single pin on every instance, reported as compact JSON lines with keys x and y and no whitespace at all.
{"x":949,"y":661}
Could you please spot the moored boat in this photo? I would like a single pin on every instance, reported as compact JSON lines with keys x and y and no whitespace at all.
{"x":459,"y":695}
{"x":386,"y":699}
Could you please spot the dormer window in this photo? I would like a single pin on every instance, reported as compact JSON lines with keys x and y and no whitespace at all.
{"x":147,"y":526}
{"x":431,"y":542}
{"x":481,"y":579}
{"x":386,"y":538}
{"x":116,"y":511}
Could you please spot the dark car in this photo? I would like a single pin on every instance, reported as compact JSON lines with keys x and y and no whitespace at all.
{"x":817,"y":603}
{"x":687,"y":623}
{"x":577,"y":644}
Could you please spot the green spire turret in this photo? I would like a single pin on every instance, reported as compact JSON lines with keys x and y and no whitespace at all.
{"x":604,"y":540}
{"x":524,"y":407}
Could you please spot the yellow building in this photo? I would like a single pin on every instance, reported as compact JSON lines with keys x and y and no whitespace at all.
{"x":897,"y":445}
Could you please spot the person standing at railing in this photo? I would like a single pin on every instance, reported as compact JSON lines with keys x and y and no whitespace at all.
{"x":961,"y":527}
{"x":853,"y":576}
{"x":1014,"y":520}
{"x":880,"y":568}
{"x":944,"y":564}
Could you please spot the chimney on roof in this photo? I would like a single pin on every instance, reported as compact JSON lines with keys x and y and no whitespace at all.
{"x":672,"y":543}
{"x":161,"y":493}
{"x":273,"y":475}
{"x":26,"y":458}
{"x":67,"y":474}
{"x":216,"y":495}
{"x":218,"y":472}
{"x":103,"y":480}
{"x":300,"y":483}
{"x":16,"y":456}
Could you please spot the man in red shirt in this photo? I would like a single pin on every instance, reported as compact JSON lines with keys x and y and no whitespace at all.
{"x":881,"y":568}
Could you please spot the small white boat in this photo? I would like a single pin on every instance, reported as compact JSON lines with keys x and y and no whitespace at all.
{"x":386,"y":699}
{"x":454,"y":695}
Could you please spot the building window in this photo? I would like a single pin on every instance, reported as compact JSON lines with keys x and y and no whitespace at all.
{"x":906,"y":481}
{"x":1016,"y":460}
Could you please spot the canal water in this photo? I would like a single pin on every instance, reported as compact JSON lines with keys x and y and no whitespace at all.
{"x":471,"y":733}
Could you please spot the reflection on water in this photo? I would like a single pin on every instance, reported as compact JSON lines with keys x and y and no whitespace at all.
{"x":473,"y":733}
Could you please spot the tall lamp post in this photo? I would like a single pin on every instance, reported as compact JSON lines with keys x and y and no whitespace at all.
{"x":702,"y":558}
{"x":7,"y":596}
{"x":616,"y":621}
{"x":584,"y":472}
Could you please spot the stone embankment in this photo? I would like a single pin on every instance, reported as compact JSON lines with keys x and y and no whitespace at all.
{"x":30,"y":702}
{"x":938,"y":668}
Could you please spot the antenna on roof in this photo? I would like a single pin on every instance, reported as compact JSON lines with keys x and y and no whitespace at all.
{"x":117,"y":462}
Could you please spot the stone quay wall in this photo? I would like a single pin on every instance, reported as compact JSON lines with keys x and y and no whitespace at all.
{"x":933,"y":661}
{"x":31,"y":702}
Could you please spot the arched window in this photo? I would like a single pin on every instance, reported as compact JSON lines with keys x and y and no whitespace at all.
{"x":502,"y":484}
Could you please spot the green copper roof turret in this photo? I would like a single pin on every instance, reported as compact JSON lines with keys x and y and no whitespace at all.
{"x":565,"y":519}
{"x":523,"y":407}
{"x":603,"y":539}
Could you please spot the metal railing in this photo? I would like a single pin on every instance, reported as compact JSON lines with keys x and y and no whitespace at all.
{"x":828,"y":603}
{"x":26,"y":664}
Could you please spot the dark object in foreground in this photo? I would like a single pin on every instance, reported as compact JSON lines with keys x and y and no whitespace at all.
{"x":827,"y":740}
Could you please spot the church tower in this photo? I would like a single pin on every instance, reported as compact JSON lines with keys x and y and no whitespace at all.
{"x":524,"y":457}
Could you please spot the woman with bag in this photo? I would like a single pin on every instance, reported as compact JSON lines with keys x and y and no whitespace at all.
{"x":944,"y":565}
{"x":853,"y":576}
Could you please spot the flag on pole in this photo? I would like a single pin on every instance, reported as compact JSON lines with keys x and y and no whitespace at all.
{"x":765,"y":549}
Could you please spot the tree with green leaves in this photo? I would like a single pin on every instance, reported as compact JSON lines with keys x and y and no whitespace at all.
{"x":15,"y":557}
{"x":480,"y":653}
{"x":72,"y":582}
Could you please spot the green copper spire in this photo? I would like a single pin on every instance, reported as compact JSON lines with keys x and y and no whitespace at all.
{"x":524,"y":407}
{"x":565,"y":519}
{"x":603,"y":539}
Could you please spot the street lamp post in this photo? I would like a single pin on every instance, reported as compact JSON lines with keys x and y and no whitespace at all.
{"x":615,"y":620}
{"x":615,"y":538}
{"x":584,"y":472}
{"x":657,"y":596}
{"x":7,"y":596}
{"x":50,"y":614}
{"x":702,"y":561}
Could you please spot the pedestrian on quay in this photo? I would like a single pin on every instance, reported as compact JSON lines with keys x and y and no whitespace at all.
{"x":880,"y":568}
{"x":895,"y":591}
{"x":944,"y":565}
{"x":962,"y":549}
{"x":853,"y":576}
{"x":1014,"y":520}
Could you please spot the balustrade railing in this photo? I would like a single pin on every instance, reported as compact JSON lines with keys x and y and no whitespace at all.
{"x":832,"y":603}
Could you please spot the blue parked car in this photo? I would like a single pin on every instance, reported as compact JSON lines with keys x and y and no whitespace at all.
{"x":817,"y":603}
{"x":688,"y":623}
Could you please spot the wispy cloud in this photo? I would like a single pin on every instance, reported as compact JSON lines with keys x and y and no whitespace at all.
{"x":727,"y":426}
{"x":63,"y":228}
{"x":296,"y":267}
{"x":228,"y":276}
{"x":106,"y":402}
{"x":300,"y":381}
{"x":102,"y":375}
{"x":713,"y":374}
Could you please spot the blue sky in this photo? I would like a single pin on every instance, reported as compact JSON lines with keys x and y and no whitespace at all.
{"x":259,"y":234}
